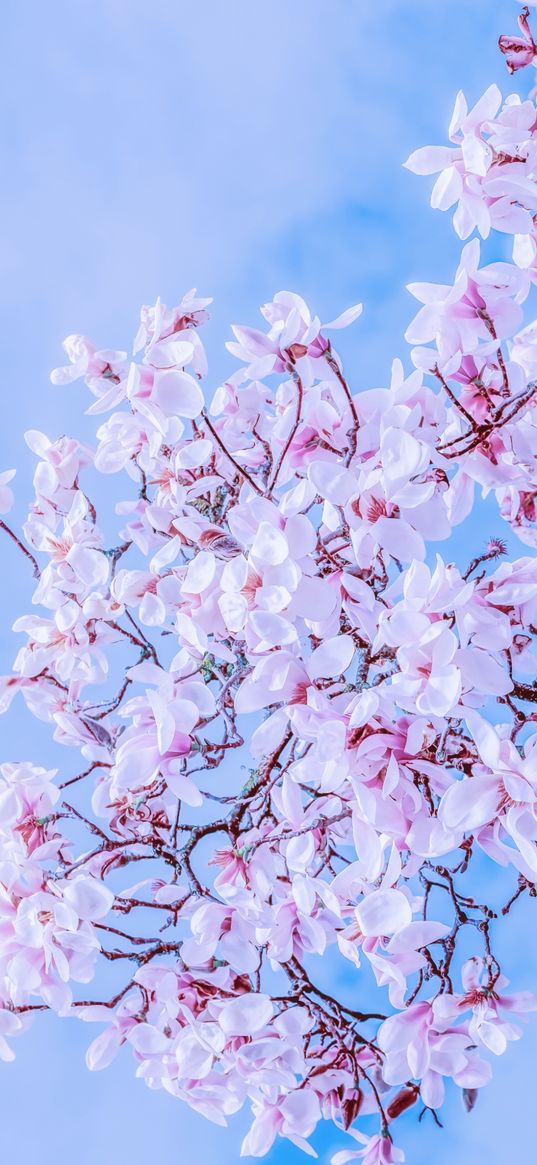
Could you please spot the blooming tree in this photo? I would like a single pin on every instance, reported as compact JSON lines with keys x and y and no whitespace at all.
{"x":303,"y":730}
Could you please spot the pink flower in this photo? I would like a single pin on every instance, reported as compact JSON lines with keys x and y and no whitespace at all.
{"x":482,"y":307}
{"x":503,"y":789}
{"x":519,"y":51}
{"x":293,"y":334}
{"x":487,"y":1026}
{"x":378,"y":1150}
{"x":416,"y":1044}
{"x":490,"y":171}
{"x":295,"y":1116}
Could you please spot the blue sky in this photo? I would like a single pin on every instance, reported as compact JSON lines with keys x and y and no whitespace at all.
{"x":243,"y":147}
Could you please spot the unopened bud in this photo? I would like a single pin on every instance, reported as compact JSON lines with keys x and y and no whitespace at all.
{"x":404,"y":1099}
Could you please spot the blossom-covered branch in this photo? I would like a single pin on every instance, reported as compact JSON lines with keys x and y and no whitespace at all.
{"x":302,"y":726}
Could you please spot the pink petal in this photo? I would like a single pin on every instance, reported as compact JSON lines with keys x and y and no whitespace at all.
{"x":246,"y":1014}
{"x":384,"y":912}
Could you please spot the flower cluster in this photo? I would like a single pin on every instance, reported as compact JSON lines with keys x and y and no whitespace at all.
{"x":303,"y":728}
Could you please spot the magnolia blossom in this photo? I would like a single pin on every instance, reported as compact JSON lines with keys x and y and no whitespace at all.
{"x":519,"y":50}
{"x":490,"y":171}
{"x":377,"y":1150}
{"x":469,"y":318}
